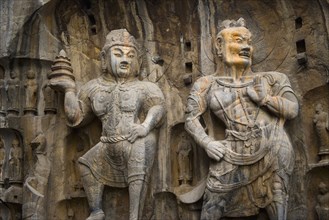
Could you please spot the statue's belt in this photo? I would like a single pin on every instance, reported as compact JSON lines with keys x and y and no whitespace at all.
{"x":112,"y":139}
{"x":258,"y":137}
{"x":244,"y":136}
{"x":245,"y":159}
{"x":266,"y":149}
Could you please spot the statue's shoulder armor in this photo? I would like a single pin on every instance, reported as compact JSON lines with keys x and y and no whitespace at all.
{"x":202,"y":84}
{"x":97,"y":85}
{"x":273,"y":77}
{"x":278,"y":82}
{"x":89,"y":86}
{"x":150,"y":89}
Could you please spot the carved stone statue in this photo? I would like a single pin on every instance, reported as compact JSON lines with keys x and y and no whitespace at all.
{"x":15,"y":162}
{"x":184,"y":158}
{"x":12,"y":89}
{"x":129,"y":110}
{"x":2,"y":95}
{"x":321,"y":123}
{"x":322,"y":207}
{"x":50,"y":100}
{"x":2,"y":159}
{"x":250,"y":168}
{"x":35,"y":185}
{"x":31,"y":94}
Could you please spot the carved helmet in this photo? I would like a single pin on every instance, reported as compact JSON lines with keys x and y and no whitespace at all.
{"x":120,"y":37}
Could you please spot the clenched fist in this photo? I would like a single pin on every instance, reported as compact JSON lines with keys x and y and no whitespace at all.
{"x":215,"y":150}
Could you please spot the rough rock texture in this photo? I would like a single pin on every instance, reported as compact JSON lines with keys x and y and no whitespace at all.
{"x":177,"y":37}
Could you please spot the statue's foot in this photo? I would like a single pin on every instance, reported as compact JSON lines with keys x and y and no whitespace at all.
{"x":96,"y":215}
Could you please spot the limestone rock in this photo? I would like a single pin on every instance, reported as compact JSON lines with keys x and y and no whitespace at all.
{"x":177,"y":46}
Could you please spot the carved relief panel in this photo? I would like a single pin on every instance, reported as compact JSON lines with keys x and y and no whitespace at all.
{"x":11,"y":178}
{"x":179,"y":48}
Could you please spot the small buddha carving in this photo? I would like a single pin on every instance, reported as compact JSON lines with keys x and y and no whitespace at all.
{"x":184,"y":158}
{"x":15,"y":162}
{"x":31,"y":94}
{"x":321,"y":123}
{"x":12,"y":89}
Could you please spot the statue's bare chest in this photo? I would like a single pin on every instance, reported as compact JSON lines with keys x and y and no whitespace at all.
{"x":229,"y":99}
{"x":232,"y":104}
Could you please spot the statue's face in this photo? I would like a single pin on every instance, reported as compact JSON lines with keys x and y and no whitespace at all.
{"x":30,"y":75}
{"x":318,"y":108}
{"x":13,"y":74}
{"x":236,"y":46}
{"x":123,"y":61}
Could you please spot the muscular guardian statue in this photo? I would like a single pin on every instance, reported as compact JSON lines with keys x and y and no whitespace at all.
{"x":250,"y":168}
{"x":129,"y":110}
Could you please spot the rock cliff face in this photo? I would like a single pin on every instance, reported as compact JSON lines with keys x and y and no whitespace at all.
{"x":177,"y":42}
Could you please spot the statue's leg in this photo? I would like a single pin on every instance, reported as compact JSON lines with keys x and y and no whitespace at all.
{"x":277,"y":210}
{"x":213,"y":206}
{"x":137,"y":193}
{"x":94,"y":192}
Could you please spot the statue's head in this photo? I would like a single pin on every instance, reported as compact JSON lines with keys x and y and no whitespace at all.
{"x":323,"y":188}
{"x":233,"y":43}
{"x":13,"y":74}
{"x":318,"y":108}
{"x":120,"y":54}
{"x":15,"y":143}
{"x":30,"y":74}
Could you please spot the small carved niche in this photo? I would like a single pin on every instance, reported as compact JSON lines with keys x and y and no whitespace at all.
{"x":301,"y":46}
{"x":2,"y":72}
{"x":92,"y":24}
{"x":298,"y":23}
{"x":86,"y":4}
{"x":188,"y":46}
{"x":189,"y":67}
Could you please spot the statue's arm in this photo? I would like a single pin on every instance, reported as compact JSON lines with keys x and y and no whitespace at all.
{"x":154,"y":117}
{"x":196,"y":106}
{"x":281,"y":100}
{"x":73,"y":110}
{"x":154,"y":105}
{"x":214,"y":149}
{"x":315,"y":119}
{"x":193,"y":125}
{"x":285,"y":106}
{"x":77,"y":107}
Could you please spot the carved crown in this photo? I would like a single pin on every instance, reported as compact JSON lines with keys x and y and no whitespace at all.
{"x":121,"y":37}
{"x":232,"y":23}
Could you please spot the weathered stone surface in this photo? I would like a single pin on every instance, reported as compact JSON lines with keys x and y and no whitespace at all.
{"x":177,"y":38}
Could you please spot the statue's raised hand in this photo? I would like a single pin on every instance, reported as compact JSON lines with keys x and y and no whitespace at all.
{"x":257,"y":92}
{"x":137,"y":131}
{"x":61,"y":77}
{"x":62,"y":84}
{"x":215,"y":150}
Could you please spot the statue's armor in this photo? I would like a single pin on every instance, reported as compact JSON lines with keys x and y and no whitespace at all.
{"x":117,"y":109}
{"x":115,"y":161}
